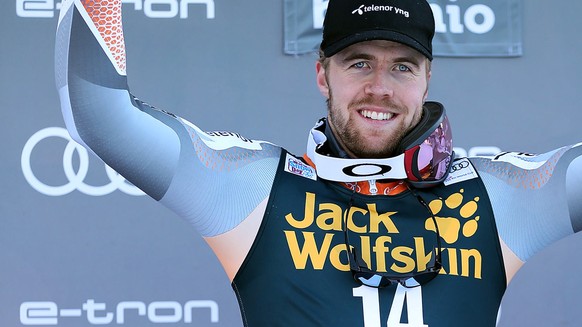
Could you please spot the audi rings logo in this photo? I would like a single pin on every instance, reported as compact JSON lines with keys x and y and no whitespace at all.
{"x":75,"y":179}
{"x":459,"y":165}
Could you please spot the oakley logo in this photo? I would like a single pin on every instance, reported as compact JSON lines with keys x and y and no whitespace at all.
{"x":366,"y":170}
{"x":75,"y":179}
{"x":460,"y":165}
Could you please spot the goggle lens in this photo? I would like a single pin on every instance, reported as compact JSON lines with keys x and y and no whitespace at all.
{"x":429,"y":162}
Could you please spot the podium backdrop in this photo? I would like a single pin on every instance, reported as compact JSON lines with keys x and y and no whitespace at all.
{"x":80,"y":247}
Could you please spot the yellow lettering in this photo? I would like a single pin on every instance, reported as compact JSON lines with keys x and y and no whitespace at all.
{"x":351,"y":225}
{"x":465,"y":256}
{"x":381,"y":249}
{"x":422,"y":258}
{"x":309,"y":249}
{"x":304,"y":248}
{"x":309,"y":213}
{"x":453,"y":262}
{"x":330,"y":220}
{"x":403,"y":254}
{"x":335,"y":257}
{"x":376,"y":219}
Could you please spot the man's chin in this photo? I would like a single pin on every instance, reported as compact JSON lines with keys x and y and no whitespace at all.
{"x":373,"y":153}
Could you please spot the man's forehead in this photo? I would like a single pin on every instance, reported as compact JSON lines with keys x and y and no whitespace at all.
{"x":389,"y":47}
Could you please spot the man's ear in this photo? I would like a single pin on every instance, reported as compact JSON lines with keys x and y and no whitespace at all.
{"x":321,"y":80}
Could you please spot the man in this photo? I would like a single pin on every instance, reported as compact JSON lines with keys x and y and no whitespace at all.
{"x":376,"y":225}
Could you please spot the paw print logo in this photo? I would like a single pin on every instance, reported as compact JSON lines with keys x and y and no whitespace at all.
{"x":451,"y":227}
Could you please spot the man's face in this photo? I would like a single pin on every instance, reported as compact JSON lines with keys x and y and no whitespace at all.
{"x":375,"y":91}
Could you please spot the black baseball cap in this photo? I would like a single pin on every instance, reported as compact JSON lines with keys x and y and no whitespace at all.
{"x":410,"y":22}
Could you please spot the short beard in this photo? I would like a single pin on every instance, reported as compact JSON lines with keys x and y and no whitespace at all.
{"x":353,"y":142}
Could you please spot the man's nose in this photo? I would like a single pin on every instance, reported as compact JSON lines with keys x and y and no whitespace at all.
{"x":380,"y":85}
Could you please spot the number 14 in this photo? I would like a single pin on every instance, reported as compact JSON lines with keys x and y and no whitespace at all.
{"x":371,"y":306}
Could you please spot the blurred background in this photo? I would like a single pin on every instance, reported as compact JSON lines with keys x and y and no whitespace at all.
{"x":77,"y":243}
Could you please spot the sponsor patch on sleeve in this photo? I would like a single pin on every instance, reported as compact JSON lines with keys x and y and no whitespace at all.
{"x":219,"y":140}
{"x":524,"y":160}
{"x":298,"y":167}
{"x":461,"y":170}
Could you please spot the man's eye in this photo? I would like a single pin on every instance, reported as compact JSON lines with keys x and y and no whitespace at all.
{"x":360,"y":64}
{"x":402,"y":68}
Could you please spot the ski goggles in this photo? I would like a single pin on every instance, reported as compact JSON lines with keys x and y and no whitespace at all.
{"x":426,"y":155}
{"x":428,"y":149}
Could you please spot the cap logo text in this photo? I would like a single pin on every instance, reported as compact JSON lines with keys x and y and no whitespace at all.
{"x":373,"y":8}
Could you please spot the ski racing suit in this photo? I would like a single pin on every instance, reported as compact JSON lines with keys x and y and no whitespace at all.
{"x":289,"y":268}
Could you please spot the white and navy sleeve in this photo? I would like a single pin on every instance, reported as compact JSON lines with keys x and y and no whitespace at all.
{"x":536,"y":199}
{"x":214,"y":180}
